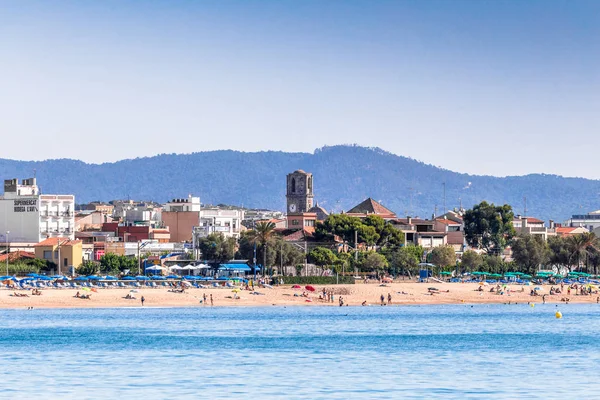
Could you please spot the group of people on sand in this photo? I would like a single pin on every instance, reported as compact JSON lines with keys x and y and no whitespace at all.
{"x":389,"y":299}
{"x":327,"y":296}
{"x":83,"y":296}
{"x":204,"y":298}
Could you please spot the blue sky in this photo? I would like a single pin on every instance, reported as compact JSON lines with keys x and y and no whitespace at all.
{"x":485,"y":87}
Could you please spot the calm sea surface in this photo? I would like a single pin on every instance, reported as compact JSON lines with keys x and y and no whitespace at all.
{"x":481,"y":351}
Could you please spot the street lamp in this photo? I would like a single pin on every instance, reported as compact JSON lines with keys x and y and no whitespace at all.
{"x":7,"y":252}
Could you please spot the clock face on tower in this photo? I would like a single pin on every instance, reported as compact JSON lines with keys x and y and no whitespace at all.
{"x":292,"y":207}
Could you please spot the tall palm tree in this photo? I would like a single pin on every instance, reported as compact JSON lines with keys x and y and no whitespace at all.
{"x":262,"y":233}
{"x":581,"y":244}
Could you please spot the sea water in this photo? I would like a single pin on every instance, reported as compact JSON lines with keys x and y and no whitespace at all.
{"x":458,"y":351}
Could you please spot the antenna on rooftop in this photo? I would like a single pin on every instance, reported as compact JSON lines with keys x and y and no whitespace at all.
{"x":525,"y":206}
{"x":444,"y":210}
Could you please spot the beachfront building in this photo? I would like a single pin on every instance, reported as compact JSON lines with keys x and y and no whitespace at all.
{"x":589,"y":221}
{"x":532,"y":226}
{"x":186,"y":218}
{"x":421,"y":232}
{"x":63,"y":252}
{"x":30,"y":217}
{"x":454,"y":231}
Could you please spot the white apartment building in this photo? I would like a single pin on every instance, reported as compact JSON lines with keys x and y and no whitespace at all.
{"x":589,"y":221}
{"x":227,"y":222}
{"x":30,"y":217}
{"x":190,"y":203}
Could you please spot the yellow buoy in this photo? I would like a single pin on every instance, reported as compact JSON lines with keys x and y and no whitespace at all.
{"x":558,"y":315}
{"x":532,"y":304}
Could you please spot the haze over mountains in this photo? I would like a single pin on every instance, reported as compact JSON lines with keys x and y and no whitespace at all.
{"x":343,"y":176}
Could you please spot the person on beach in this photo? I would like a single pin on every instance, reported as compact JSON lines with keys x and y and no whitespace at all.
{"x":382,"y":298}
{"x":211,"y":300}
{"x":389,"y":299}
{"x":364,"y":303}
{"x":143,"y":299}
{"x":341,"y":301}
{"x":204,"y":298}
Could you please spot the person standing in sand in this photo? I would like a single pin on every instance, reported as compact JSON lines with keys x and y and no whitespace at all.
{"x":382,"y":298}
{"x":211,"y":300}
{"x":389,"y":299}
{"x":143,"y":299}
{"x":204,"y":298}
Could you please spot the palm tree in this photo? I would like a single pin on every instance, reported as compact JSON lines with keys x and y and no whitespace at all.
{"x":262,"y":233}
{"x":581,"y":244}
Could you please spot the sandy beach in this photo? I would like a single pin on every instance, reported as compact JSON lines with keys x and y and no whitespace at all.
{"x":405,"y":293}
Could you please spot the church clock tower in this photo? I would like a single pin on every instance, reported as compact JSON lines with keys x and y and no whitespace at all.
{"x":299,"y":192}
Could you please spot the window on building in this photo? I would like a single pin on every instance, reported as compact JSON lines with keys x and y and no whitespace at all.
{"x":55,"y":254}
{"x":65,"y":262}
{"x":295,"y":222}
{"x":293,"y":185}
{"x":47,"y":254}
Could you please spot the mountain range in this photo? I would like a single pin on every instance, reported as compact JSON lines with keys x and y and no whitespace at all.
{"x":343,"y":177}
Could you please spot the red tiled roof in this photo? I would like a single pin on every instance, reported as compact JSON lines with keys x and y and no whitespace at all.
{"x":54,"y":242}
{"x":370,"y":206}
{"x":300,"y":234}
{"x":566,"y":230}
{"x":16,"y":255}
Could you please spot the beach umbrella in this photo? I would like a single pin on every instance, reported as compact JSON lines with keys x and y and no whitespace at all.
{"x":110,"y":278}
{"x":172,"y":277}
{"x":94,"y":278}
{"x":142,"y":278}
{"x":44,"y":278}
{"x":81,"y":278}
{"x":158,"y":278}
{"x":309,"y":288}
{"x":128,"y":278}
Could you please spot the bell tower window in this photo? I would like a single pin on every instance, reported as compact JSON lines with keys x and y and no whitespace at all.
{"x":293,"y":185}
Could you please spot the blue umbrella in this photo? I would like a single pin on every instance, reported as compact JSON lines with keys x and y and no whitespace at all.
{"x":81,"y":278}
{"x":45,"y":278}
{"x":58,"y":277}
{"x":142,"y":278}
{"x":128,"y":278}
{"x":110,"y":278}
{"x":172,"y":277}
{"x":158,"y":278}
{"x":94,"y":277}
{"x":5,"y":277}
